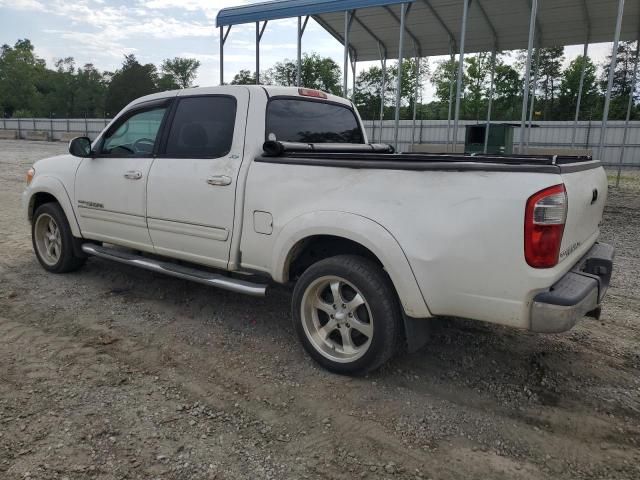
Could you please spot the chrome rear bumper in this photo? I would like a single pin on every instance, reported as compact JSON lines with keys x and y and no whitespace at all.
{"x":578,"y":293}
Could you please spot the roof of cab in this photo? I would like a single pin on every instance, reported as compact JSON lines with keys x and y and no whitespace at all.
{"x":271,"y":91}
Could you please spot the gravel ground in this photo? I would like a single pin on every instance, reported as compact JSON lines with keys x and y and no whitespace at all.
{"x":112,"y":373}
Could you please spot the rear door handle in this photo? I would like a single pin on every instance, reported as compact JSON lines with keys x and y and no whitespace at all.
{"x":133,"y":175}
{"x":219,"y":180}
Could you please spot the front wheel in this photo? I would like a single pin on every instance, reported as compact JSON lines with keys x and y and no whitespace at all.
{"x":346,"y":314}
{"x":53,"y":240}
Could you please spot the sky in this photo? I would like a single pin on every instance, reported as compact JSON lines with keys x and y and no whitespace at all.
{"x":103,"y":31}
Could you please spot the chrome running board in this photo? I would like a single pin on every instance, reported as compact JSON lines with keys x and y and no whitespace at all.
{"x":179,"y":271}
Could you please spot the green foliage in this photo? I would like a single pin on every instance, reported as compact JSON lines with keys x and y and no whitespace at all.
{"x":317,"y":72}
{"x":183,"y":71}
{"x":622,"y":79}
{"x":570,"y":85}
{"x":477,"y":84}
{"x":132,"y":81}
{"x":369,"y":84}
{"x":244,"y":77}
{"x":29,"y":88}
{"x":20,"y":71}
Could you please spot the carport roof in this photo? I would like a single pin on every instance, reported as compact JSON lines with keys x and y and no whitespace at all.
{"x":433,"y":25}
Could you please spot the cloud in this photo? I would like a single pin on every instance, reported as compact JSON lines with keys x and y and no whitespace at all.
{"x":32,"y":5}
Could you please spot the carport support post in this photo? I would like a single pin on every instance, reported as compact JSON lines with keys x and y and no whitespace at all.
{"x":353,"y":77}
{"x":533,"y":98}
{"x":612,"y":69}
{"x":299,"y":54}
{"x":629,"y":107}
{"x":463,"y":32}
{"x":580,"y":88}
{"x":383,"y":86}
{"x":527,"y":74}
{"x":259,"y":32}
{"x":415,"y":97}
{"x":452,"y":58}
{"x":491,"y":92}
{"x":403,"y":13}
{"x":223,"y":38}
{"x":301,"y":28}
{"x":347,"y":26}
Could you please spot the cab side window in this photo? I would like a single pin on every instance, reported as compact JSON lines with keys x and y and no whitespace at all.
{"x":202,"y":127}
{"x":136,"y":135}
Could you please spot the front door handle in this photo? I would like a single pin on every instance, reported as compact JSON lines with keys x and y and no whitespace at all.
{"x":133,"y":175}
{"x":219,"y":180}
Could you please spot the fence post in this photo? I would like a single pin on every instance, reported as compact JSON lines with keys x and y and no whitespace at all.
{"x":67,"y":124}
{"x":51,"y":125}
{"x":86,"y":125}
{"x":19,"y":130}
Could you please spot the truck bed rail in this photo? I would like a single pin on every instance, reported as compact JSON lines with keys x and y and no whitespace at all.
{"x":381,"y":156}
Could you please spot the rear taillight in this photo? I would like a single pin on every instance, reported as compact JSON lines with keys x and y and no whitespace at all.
{"x":544,"y":220}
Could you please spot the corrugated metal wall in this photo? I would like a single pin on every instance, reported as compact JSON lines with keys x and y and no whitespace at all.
{"x":90,"y":127}
{"x":545,"y":135}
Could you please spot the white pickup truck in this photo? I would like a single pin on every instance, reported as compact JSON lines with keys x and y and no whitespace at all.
{"x":240,"y":186}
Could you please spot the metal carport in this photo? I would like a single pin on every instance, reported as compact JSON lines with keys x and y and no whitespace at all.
{"x":379,"y":29}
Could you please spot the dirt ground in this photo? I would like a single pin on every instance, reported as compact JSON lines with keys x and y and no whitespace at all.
{"x":116,"y":373}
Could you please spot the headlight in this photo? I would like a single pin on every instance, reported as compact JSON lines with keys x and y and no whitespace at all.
{"x":30,"y":173}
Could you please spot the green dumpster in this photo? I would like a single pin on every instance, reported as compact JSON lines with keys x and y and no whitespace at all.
{"x":500,"y":138}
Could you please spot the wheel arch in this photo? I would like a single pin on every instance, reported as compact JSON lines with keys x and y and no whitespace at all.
{"x":358,"y":234}
{"x":46,"y":189}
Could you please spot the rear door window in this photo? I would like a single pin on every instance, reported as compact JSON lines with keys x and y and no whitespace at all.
{"x":293,"y":120}
{"x":202,"y":127}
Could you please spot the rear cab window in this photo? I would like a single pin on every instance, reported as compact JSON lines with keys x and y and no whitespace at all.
{"x":202,"y":127}
{"x":311,"y":121}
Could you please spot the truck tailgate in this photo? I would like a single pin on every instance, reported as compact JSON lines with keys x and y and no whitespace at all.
{"x":587,"y":195}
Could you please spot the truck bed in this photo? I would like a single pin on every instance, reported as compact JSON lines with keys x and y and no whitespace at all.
{"x":379,"y":156}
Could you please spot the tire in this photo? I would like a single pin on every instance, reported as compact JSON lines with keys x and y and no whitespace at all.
{"x":53,"y":241}
{"x":339,"y":332}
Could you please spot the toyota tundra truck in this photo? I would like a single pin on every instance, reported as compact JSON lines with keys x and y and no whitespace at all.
{"x":241,"y":187}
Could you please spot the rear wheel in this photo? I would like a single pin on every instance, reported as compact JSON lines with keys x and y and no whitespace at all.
{"x":53,"y":241}
{"x":346,"y":314}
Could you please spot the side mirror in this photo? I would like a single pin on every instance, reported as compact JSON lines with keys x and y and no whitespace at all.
{"x":80,"y":147}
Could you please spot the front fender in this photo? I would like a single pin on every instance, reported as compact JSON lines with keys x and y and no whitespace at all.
{"x":364,"y":231}
{"x":54,"y":187}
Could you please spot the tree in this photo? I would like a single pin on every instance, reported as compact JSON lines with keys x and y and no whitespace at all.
{"x":548,"y":63}
{"x":182,"y":70}
{"x":20,"y":72}
{"x":316,"y":72}
{"x":91,"y":91}
{"x":550,"y":68}
{"x":477,"y":82}
{"x":622,"y":79}
{"x":369,"y":84}
{"x":244,"y":77}
{"x":133,"y":80}
{"x":442,"y":77}
{"x":507,"y":92}
{"x":570,"y":86}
